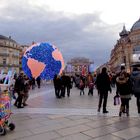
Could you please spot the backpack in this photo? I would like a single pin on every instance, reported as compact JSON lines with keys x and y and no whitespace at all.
{"x":91,"y":85}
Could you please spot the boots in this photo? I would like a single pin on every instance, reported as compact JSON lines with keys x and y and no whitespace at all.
{"x":121,"y":110}
{"x":120,"y":114}
{"x":127,"y":112}
{"x":138,"y":110}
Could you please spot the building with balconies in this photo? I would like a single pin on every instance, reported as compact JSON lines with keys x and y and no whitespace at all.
{"x":123,"y":50}
{"x":9,"y":54}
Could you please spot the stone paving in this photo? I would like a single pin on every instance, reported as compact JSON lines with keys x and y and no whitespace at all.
{"x":73,"y":118}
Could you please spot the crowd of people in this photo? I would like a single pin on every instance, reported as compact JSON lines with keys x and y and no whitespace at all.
{"x":64,"y":83}
{"x":20,"y":86}
{"x":127,"y":84}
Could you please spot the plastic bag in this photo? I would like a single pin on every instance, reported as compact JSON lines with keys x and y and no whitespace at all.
{"x":116,"y":100}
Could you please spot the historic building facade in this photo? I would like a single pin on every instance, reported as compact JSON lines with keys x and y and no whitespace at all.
{"x":9,"y":54}
{"x":122,"y":53}
{"x":78,"y":65}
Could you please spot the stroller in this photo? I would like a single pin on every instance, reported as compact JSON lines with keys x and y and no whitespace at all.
{"x":5,"y":110}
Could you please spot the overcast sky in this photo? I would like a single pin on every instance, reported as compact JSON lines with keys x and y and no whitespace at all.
{"x":79,"y":28}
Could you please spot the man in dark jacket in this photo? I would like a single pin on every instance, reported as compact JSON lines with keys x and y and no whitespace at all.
{"x":68,"y":85}
{"x":135,"y":77}
{"x":63,"y":84}
{"x":103,"y":85}
{"x":19,"y":88}
{"x":57,"y":85}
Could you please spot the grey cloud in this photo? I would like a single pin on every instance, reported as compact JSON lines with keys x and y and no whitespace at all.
{"x":79,"y":35}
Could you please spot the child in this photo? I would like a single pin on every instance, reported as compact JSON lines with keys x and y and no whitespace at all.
{"x":91,"y":87}
{"x":81,"y":87}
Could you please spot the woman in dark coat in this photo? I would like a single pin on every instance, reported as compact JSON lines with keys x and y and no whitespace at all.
{"x":124,"y":88}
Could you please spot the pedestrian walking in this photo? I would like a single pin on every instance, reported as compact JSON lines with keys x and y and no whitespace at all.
{"x":19,"y":89}
{"x":135,"y":78}
{"x":38,"y":80}
{"x":90,"y":88}
{"x":68,"y":85}
{"x":26,"y":90}
{"x":103,"y":86}
{"x":90,"y":83}
{"x":32,"y":83}
{"x":82,"y":85}
{"x":63,"y":84}
{"x":124,"y":89}
{"x":57,"y":85}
